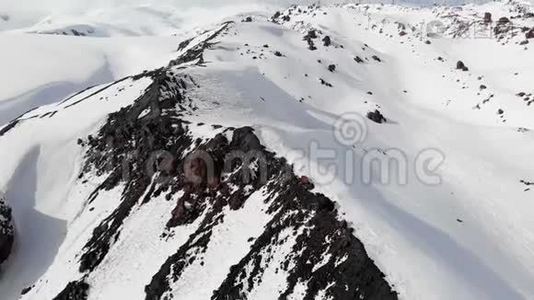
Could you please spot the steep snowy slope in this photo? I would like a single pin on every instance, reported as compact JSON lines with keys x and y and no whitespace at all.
{"x":113,"y":187}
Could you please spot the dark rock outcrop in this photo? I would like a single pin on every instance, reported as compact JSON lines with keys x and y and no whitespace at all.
{"x":503,"y":26}
{"x":157,"y":154}
{"x":7,"y":234}
{"x":75,"y":290}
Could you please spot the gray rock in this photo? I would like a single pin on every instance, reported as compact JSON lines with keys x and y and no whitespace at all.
{"x":6,"y":230}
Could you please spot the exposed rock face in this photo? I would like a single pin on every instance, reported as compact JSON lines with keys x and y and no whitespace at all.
{"x":530,"y":34}
{"x":219,"y":181}
{"x":6,"y":230}
{"x":76,"y":290}
{"x":153,"y":153}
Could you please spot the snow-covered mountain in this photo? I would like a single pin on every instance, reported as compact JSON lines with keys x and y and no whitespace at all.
{"x":345,"y":151}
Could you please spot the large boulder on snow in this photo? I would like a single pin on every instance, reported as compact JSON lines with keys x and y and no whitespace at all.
{"x":487,"y":18}
{"x":461,"y":66}
{"x":6,"y":230}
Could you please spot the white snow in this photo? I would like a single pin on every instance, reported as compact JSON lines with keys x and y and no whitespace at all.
{"x":469,"y":237}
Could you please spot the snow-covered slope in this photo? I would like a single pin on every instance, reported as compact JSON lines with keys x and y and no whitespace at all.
{"x":113,"y":184}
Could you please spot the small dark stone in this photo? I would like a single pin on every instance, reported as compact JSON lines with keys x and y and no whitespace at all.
{"x":327,"y":41}
{"x":487,"y":18}
{"x":376,"y":116}
{"x":331,"y":68}
{"x":26,"y":290}
{"x":323,"y":82}
{"x":461,"y":66}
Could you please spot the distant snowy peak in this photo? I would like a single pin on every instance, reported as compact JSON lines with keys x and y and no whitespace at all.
{"x":508,"y":22}
{"x":74,"y":30}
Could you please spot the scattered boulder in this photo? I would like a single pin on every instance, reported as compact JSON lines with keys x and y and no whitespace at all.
{"x":500,"y":111}
{"x":332,"y":68}
{"x":487,"y":18}
{"x":376,"y":58}
{"x":327,"y":41}
{"x":309,"y":37}
{"x":461,"y":66}
{"x":248,"y":19}
{"x":358,"y":59}
{"x":530,"y":34}
{"x":503,"y":26}
{"x":6,"y":230}
{"x":503,"y":20}
{"x":324,"y":82}
{"x":278,"y":53}
{"x":376,"y":116}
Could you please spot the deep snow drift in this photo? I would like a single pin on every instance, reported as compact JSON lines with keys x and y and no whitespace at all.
{"x":453,"y":218}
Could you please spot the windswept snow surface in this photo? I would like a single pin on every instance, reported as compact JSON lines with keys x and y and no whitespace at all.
{"x":468,"y":235}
